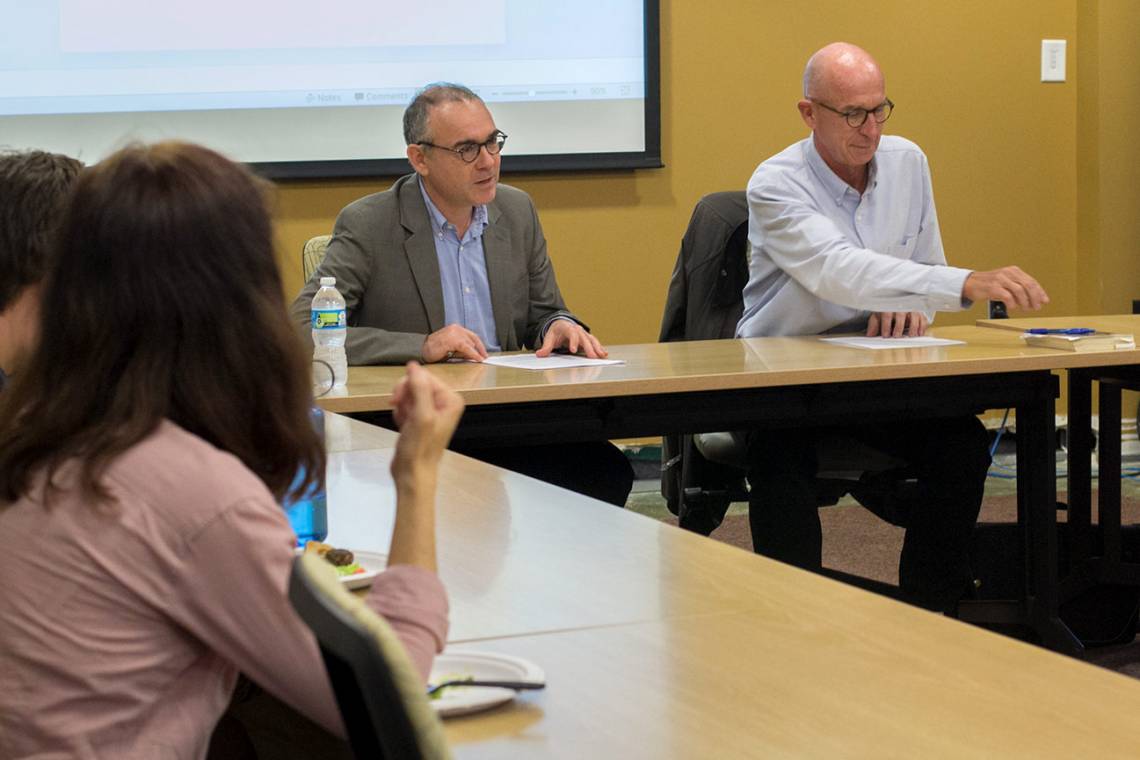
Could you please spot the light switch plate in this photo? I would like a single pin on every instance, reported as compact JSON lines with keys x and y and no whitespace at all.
{"x":1052,"y":60}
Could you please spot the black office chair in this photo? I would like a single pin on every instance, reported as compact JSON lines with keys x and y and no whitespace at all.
{"x":381,"y":697}
{"x":704,"y":303}
{"x":702,"y":474}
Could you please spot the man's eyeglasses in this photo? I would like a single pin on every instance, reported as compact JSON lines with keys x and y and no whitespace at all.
{"x":857,"y":117}
{"x":469,"y":151}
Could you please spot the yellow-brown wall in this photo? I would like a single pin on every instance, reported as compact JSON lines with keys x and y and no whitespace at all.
{"x":1004,"y":148}
{"x":1108,"y":159}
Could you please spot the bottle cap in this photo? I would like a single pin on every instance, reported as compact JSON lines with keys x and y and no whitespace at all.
{"x":328,"y":281}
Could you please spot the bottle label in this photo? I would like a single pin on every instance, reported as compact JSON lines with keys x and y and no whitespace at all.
{"x":328,"y":319}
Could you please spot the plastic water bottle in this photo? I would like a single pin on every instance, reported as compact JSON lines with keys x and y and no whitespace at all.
{"x":330,"y":330}
{"x":308,"y":512}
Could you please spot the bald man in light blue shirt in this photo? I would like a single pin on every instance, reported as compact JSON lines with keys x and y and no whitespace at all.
{"x":824,"y":256}
{"x":844,"y":237}
{"x":842,"y":226}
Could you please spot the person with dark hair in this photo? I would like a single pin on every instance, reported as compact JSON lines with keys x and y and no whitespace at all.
{"x":33,"y":186}
{"x":143,"y":451}
{"x":449,"y":263}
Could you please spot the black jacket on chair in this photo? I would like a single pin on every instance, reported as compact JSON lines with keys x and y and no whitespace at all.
{"x":704,"y":302}
{"x":705,"y":292}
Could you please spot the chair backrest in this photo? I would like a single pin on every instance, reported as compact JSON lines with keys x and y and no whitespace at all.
{"x":705,"y":298}
{"x":313,"y":254}
{"x":381,"y":697}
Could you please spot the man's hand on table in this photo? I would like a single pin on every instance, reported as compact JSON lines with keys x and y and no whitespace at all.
{"x":563,"y":333}
{"x":895,"y":324}
{"x":453,"y":341}
{"x":1010,"y":285}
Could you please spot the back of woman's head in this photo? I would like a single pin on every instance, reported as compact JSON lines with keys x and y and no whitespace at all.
{"x":165,"y":302}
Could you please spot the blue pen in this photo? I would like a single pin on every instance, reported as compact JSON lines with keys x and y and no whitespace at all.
{"x":1060,"y":331}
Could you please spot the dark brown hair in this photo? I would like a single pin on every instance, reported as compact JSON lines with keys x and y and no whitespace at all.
{"x":417,"y":113}
{"x":33,"y":188}
{"x":165,"y":303}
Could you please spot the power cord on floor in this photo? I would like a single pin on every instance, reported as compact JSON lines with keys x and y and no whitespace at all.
{"x":1124,"y":474}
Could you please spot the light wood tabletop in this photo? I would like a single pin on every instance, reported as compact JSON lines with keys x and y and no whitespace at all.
{"x":681,"y":367}
{"x":660,"y":643}
{"x":520,"y":556}
{"x":816,"y":670}
{"x":346,"y":434}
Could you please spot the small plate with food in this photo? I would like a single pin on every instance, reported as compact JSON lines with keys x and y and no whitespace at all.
{"x":477,"y":666}
{"x":356,"y":569}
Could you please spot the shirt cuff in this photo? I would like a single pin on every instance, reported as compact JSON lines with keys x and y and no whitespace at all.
{"x":542,"y":332}
{"x":946,"y":285}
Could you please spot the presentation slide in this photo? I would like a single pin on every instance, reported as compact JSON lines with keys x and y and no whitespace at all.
{"x":285,"y":81}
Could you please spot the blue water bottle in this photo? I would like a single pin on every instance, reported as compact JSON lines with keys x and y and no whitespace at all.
{"x":308,"y":513}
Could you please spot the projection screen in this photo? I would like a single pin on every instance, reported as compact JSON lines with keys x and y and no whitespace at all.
{"x":317,"y":89}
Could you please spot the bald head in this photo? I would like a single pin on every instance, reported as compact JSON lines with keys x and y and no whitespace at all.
{"x":838,"y":68}
{"x":842,"y":87}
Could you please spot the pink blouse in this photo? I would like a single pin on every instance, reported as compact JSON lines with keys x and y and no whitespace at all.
{"x":122,"y":629}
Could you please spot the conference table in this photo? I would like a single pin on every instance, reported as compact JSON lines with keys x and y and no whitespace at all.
{"x":699,"y":386}
{"x":1095,"y":556}
{"x":693,"y":386}
{"x":657,"y":642}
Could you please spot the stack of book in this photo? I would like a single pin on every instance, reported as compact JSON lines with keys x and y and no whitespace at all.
{"x":1080,"y":340}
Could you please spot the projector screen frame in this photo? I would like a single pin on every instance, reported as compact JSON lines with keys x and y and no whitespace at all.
{"x":650,"y":158}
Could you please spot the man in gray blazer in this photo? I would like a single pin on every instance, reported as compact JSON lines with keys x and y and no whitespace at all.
{"x":448,"y":263}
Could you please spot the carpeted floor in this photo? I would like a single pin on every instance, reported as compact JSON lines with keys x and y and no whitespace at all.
{"x":857,"y":542}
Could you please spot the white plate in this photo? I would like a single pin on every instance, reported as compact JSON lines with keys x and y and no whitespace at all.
{"x":373,"y":563}
{"x":460,"y":700}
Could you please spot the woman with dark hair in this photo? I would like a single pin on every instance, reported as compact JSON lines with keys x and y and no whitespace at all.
{"x":143,"y":449}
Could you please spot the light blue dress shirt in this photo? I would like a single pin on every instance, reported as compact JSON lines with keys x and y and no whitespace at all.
{"x":463,"y":273}
{"x":823,"y":257}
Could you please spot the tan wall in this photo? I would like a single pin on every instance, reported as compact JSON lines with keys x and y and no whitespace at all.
{"x":1109,"y":160}
{"x":965,"y":75}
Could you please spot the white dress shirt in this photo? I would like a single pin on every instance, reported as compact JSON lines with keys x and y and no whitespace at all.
{"x":823,"y":257}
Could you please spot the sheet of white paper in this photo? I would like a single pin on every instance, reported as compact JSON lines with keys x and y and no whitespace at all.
{"x":878,"y":343}
{"x":554,"y":361}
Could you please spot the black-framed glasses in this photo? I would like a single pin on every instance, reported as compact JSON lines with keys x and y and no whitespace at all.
{"x":469,"y":151}
{"x":857,"y":117}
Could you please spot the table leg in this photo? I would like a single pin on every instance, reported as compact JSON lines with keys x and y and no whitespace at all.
{"x":1108,"y":500}
{"x":1037,"y":504}
{"x":1038,"y":604}
{"x":1080,"y":445}
{"x":1092,"y":566}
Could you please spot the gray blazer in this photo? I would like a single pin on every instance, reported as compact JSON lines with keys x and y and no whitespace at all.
{"x":383,"y":257}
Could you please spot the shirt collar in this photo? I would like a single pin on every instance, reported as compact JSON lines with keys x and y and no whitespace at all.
{"x":439,"y":221}
{"x":836,"y":188}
